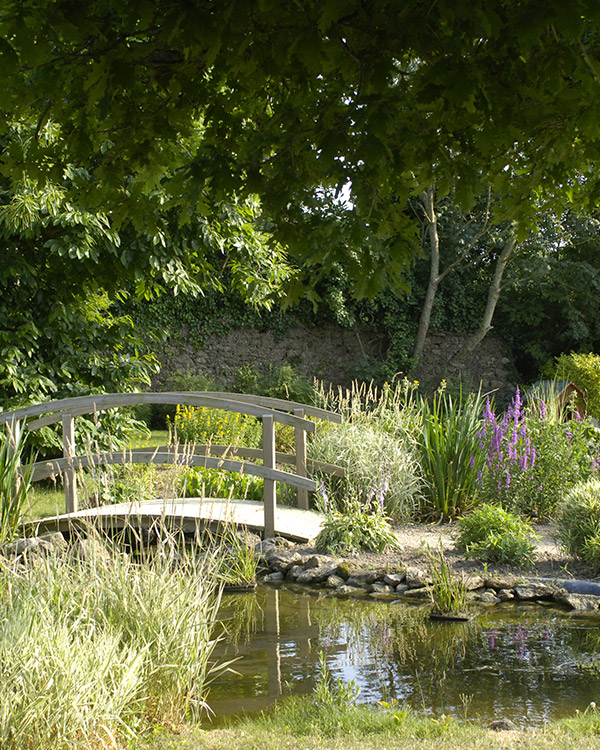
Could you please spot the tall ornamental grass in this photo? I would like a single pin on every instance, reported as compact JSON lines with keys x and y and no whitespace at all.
{"x":450,"y":455}
{"x":15,"y":482}
{"x":375,"y":446}
{"x":380,"y":470}
{"x":94,"y":646}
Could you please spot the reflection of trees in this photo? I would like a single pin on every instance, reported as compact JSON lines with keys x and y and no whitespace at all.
{"x":516,"y":661}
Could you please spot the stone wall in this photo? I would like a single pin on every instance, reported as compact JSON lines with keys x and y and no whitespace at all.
{"x":329,"y":352}
{"x":334,"y":354}
{"x":490,"y":364}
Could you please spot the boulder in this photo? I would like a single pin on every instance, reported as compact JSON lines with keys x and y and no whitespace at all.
{"x":533,"y":590}
{"x":293,"y":573}
{"x":394,"y":579}
{"x":381,"y":588}
{"x":283,"y":560}
{"x":498,"y":581}
{"x":474,"y":582}
{"x":578,"y":602}
{"x":363,"y":579}
{"x":350,"y":590}
{"x":506,"y":595}
{"x":317,"y":560}
{"x":317,"y":575}
{"x":502,"y":725}
{"x":274,"y":577}
{"x":417,"y":578}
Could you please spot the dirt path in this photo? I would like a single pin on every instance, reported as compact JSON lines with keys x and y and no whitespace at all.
{"x":416,"y":541}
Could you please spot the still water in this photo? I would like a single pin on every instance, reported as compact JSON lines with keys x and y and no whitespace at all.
{"x":528,"y":663}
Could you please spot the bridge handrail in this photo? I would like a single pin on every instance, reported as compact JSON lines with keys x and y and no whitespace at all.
{"x":268,"y":409}
{"x":54,"y":466}
{"x":79,"y":405}
{"x":235,"y":451}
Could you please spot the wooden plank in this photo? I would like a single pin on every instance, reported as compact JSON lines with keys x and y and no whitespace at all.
{"x":90,"y":404}
{"x":57,"y":466}
{"x":291,"y":523}
{"x":269,"y":489}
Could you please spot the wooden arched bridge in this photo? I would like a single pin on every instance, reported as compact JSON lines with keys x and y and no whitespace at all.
{"x":298,"y":523}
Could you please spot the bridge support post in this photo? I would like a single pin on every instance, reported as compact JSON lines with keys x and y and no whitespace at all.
{"x":69,"y":478}
{"x":269,"y":492}
{"x":300,"y":440}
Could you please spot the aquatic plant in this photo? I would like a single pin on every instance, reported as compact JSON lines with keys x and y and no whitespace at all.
{"x":239,"y":561}
{"x":448,"y":590}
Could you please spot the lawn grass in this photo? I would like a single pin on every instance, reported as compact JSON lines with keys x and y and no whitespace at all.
{"x":363,"y":728}
{"x":48,"y":499}
{"x":157,"y":437}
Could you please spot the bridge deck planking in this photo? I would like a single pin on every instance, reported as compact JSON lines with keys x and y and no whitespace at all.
{"x":291,"y":523}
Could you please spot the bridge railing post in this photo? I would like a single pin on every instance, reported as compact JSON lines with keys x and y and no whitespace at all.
{"x":269,"y":492}
{"x":300,"y":440}
{"x":69,"y":478}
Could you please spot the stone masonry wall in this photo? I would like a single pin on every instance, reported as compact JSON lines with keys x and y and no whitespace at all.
{"x":335,"y":355}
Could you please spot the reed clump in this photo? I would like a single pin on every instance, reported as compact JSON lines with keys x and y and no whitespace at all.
{"x":95,"y":647}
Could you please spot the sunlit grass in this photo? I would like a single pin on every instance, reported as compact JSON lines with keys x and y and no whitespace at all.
{"x":45,"y":500}
{"x":156,"y":438}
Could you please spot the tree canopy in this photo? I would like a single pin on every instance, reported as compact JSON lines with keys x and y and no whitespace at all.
{"x":181,"y":142}
{"x":188,"y":102}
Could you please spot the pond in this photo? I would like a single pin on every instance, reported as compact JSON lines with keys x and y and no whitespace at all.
{"x":525,"y":662}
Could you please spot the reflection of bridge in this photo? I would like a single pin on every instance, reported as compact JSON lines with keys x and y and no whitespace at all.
{"x":284,"y":623}
{"x":299,"y":523}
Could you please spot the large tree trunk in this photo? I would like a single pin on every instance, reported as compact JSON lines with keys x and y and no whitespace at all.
{"x":492,"y":300}
{"x":427,"y":199}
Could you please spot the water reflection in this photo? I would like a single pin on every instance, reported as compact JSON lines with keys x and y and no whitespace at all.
{"x":526,"y":663}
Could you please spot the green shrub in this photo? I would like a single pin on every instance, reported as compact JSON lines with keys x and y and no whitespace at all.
{"x":578,"y":526}
{"x":379,"y":467}
{"x":155,"y":415}
{"x":201,"y":425}
{"x":277,"y":382}
{"x":490,"y":533}
{"x":127,"y":483}
{"x":355,"y":528}
{"x":202,"y":482}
